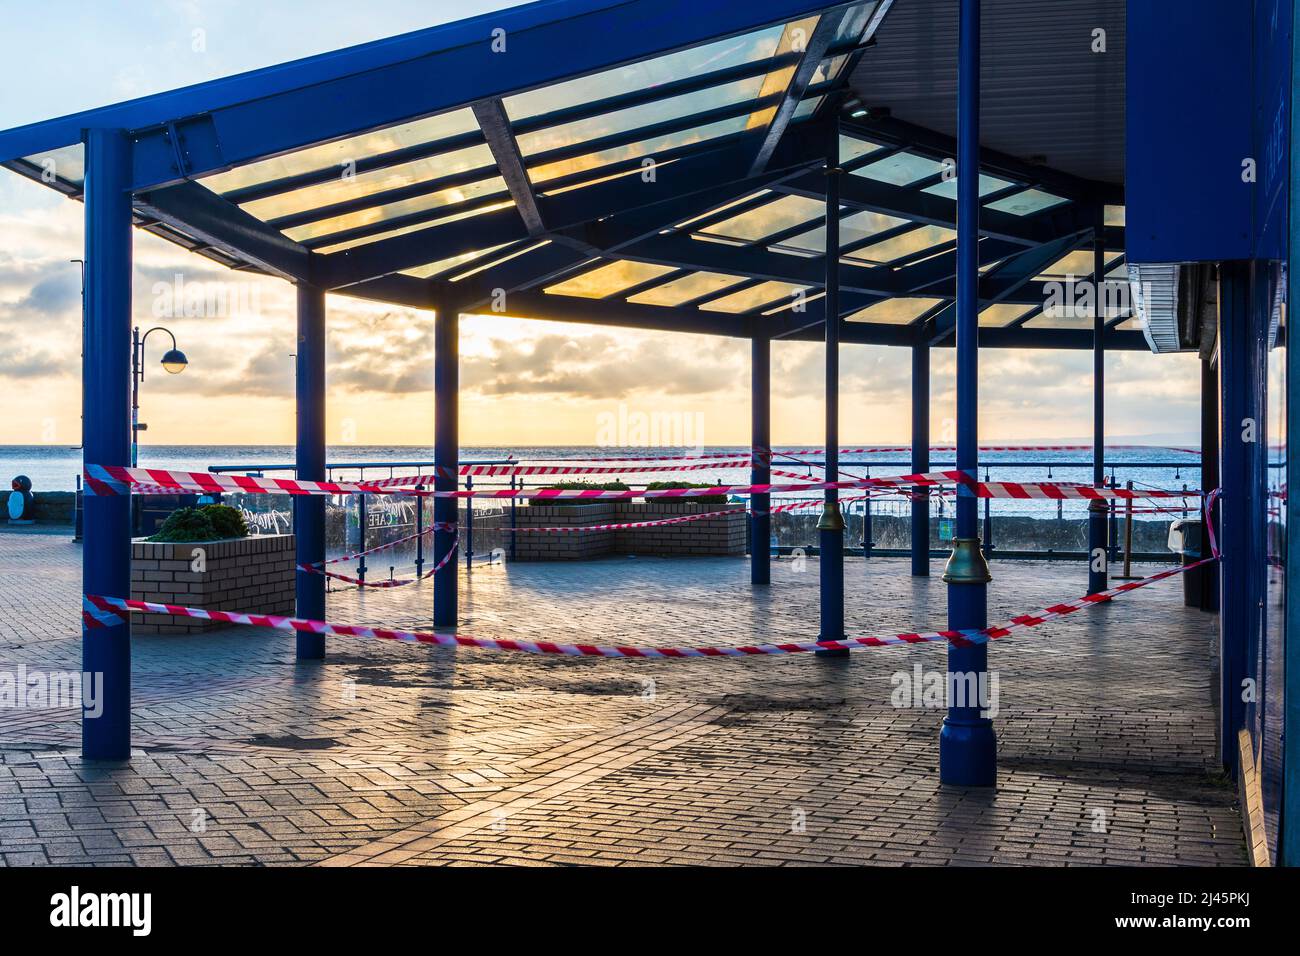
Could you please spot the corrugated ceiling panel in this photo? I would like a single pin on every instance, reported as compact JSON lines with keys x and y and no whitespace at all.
{"x":1044,"y":92}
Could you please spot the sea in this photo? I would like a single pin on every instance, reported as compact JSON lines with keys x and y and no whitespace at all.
{"x":55,"y":467}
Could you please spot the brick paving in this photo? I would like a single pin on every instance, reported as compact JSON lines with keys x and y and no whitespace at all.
{"x":395,"y":754}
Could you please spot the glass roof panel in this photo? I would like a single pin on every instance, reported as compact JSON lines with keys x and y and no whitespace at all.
{"x":637,"y":117}
{"x":1027,"y":202}
{"x":377,"y":214}
{"x":609,"y":279}
{"x":988,"y":184}
{"x":646,"y":148}
{"x":708,"y":58}
{"x":780,"y":214}
{"x":1077,"y":264}
{"x":1002,"y":313}
{"x":411,"y":227}
{"x":723,"y":208}
{"x":346,"y":187}
{"x":492,"y":262}
{"x":855,"y":21}
{"x":852,"y":149}
{"x":599,"y":177}
{"x":907,"y":244}
{"x":746,"y":300}
{"x":338,"y":154}
{"x":687,"y":288}
{"x":67,"y":163}
{"x":806,"y":108}
{"x":854,"y":228}
{"x":901,"y":169}
{"x":897,"y":311}
{"x":828,"y":69}
{"x":445,"y":265}
{"x":1074,"y":310}
{"x":793,"y":40}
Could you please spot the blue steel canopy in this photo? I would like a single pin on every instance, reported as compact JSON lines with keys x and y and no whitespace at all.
{"x":644,"y":163}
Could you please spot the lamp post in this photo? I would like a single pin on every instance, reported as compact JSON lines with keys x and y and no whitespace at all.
{"x":173,"y":360}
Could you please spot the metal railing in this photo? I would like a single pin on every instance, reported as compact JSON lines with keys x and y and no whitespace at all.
{"x":502,"y":535}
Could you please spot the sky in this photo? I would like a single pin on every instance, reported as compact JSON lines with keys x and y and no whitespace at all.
{"x":523,"y":382}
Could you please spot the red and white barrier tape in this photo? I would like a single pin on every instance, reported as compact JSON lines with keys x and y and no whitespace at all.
{"x":392,"y":583}
{"x":682,"y":519}
{"x":902,"y":449}
{"x":880,"y":449}
{"x":507,"y":471}
{"x":437,"y":526}
{"x":98,"y":611}
{"x":117,"y":480}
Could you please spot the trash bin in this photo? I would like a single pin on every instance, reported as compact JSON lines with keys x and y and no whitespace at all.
{"x":1186,"y":539}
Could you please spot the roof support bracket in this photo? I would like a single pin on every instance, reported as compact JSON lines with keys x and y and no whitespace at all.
{"x":492,"y":119}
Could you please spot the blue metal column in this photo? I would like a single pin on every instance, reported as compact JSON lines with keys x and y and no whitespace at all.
{"x":309,"y":510}
{"x":1288,"y":841}
{"x":446,"y":457}
{"x":760,"y":439}
{"x":1098,"y":511}
{"x":967,"y":746}
{"x":1210,"y":470}
{"x":830,"y":527}
{"x":1240,"y":434}
{"x":106,"y":433}
{"x":920,"y":459}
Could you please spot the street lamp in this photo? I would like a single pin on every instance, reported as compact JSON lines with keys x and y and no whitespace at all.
{"x":173,"y":360}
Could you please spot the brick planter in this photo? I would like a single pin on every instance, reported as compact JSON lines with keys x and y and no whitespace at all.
{"x":248,"y":574}
{"x":724,"y":534}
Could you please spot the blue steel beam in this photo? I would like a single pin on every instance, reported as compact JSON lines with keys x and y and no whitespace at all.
{"x":756,"y":262}
{"x":446,"y":455}
{"x":760,"y":440}
{"x":106,"y":439}
{"x":862,"y":192}
{"x":1098,"y":511}
{"x":1007,"y":279}
{"x":1289,"y":838}
{"x":224,"y":123}
{"x":571,"y":114}
{"x":551,"y":187}
{"x":1240,"y":434}
{"x":830,"y":527}
{"x":939,"y":146}
{"x":816,"y":48}
{"x":607,"y":215}
{"x":494,"y":123}
{"x":204,"y":215}
{"x":309,"y":510}
{"x":967,"y":745}
{"x":673,"y":182}
{"x":920,"y":459}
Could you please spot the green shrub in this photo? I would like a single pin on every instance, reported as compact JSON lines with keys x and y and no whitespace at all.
{"x":701,"y":499}
{"x":227,"y":521}
{"x":186,"y":524}
{"x":581,"y":486}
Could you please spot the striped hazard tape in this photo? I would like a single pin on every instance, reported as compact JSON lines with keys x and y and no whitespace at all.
{"x":99,"y":611}
{"x":120,"y":480}
{"x":391,"y":583}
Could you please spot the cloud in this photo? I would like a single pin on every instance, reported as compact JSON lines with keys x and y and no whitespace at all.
{"x":603,"y":366}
